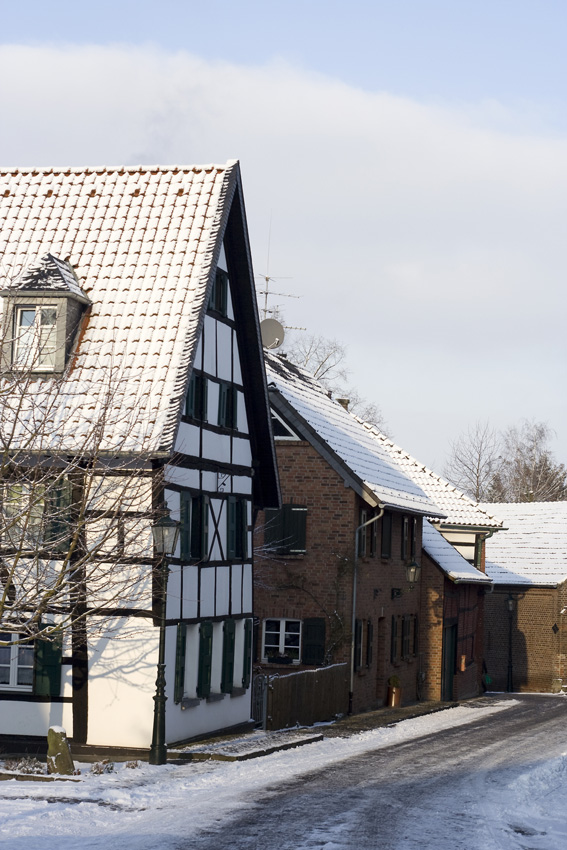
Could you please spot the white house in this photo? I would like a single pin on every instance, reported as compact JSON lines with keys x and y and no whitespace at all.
{"x":131,"y":333}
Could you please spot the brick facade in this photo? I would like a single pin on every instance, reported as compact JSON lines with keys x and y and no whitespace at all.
{"x":523,"y":644}
{"x":320,"y":582}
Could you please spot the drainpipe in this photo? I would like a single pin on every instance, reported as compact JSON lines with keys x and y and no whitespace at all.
{"x":353,"y":622}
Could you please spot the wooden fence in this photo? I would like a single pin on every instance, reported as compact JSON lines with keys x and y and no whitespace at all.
{"x":305,"y":697}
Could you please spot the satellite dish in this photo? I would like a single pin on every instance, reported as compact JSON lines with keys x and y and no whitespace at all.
{"x":272,"y":333}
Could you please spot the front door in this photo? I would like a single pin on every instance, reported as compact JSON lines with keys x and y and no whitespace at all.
{"x":449,"y":661}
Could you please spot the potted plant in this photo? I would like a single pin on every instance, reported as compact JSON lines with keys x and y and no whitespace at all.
{"x":394,"y":698}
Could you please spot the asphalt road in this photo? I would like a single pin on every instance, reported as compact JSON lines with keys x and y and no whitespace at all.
{"x":453,"y":789}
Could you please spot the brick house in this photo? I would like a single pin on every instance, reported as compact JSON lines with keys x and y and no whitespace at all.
{"x":453,"y":584}
{"x":316,"y":602}
{"x":525,"y":616}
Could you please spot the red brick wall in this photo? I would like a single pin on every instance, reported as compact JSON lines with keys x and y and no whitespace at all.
{"x":538,"y":653}
{"x":319,"y":583}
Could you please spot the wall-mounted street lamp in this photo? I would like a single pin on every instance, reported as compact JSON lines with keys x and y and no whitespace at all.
{"x":413,"y":572}
{"x":165,"y":532}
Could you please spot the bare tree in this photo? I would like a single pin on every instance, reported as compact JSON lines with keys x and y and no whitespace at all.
{"x":76,"y":502}
{"x":325,"y":359}
{"x":528,"y":472}
{"x":516,"y":465}
{"x":474,"y":461}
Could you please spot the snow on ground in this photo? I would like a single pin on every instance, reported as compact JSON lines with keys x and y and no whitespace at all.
{"x":153,"y":806}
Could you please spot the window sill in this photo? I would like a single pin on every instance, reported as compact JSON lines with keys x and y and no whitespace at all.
{"x":189,"y":702}
{"x":215,"y":697}
{"x":238,"y":692}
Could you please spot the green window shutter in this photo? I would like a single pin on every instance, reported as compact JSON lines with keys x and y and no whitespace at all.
{"x":190,"y":397}
{"x":227,"y":676}
{"x":231,"y":523}
{"x":415,"y":635}
{"x":406,"y":625}
{"x":203,"y":398}
{"x":205,"y":659}
{"x":47,"y":667}
{"x":273,"y":528}
{"x":247,"y":668}
{"x":199,"y":527}
{"x":313,"y":639}
{"x":358,"y":645}
{"x":386,"y":542}
{"x":179,"y":688}
{"x":369,"y":643}
{"x":59,"y":499}
{"x":185,"y":525}
{"x":233,"y":407}
{"x":223,"y":402}
{"x":295,"y":518}
{"x":243,"y":528}
{"x":394,"y":641}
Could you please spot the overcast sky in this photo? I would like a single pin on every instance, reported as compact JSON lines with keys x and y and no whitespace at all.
{"x":411,"y":157}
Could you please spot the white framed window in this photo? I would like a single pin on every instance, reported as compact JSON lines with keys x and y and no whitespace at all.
{"x":16,"y":664}
{"x":281,"y":640}
{"x":35,"y":337}
{"x":23,"y":506}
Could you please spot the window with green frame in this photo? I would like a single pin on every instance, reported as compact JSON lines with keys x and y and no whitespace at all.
{"x":237,"y":528}
{"x":228,"y":406}
{"x":196,"y":398}
{"x":194,"y":526}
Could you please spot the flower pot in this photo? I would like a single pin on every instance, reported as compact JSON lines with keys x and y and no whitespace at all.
{"x":394,"y":698}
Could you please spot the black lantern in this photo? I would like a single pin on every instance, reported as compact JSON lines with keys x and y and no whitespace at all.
{"x":165,"y":533}
{"x":413,"y":572}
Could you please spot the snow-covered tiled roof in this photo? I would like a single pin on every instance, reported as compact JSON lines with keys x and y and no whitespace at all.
{"x":448,"y":559}
{"x":532,"y":549}
{"x":347,"y":438}
{"x":458,"y":508}
{"x":143,"y":242}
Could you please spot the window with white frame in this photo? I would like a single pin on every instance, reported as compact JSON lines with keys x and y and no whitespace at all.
{"x":281,"y":640}
{"x":16,"y":663}
{"x":23,"y":506}
{"x":35,"y":337}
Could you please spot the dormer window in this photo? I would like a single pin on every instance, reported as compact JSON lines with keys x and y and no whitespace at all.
{"x":42,"y":313}
{"x":35,"y":337}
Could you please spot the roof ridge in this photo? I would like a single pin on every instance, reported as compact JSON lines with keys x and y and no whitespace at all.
{"x":120,"y":169}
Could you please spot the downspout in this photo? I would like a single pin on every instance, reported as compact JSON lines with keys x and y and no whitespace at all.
{"x":378,"y":516}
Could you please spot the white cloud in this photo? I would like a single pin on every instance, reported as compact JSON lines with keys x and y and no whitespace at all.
{"x":419,"y":234}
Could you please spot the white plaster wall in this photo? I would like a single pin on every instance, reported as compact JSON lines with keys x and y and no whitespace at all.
{"x":238,"y":654}
{"x":210,"y":348}
{"x":217,"y":552}
{"x":241,"y":485}
{"x":241,"y":453}
{"x":224,"y":344}
{"x":122,"y":673}
{"x":236,"y":589}
{"x":241,"y":414}
{"x":207,"y":599}
{"x":247,"y":588}
{"x":191,"y":660}
{"x":237,"y":373}
{"x":190,"y":592}
{"x":217,"y":446}
{"x":206,"y":717}
{"x":173,"y":608}
{"x":223,"y":591}
{"x":187,"y":440}
{"x":183,"y":478}
{"x":34,"y":718}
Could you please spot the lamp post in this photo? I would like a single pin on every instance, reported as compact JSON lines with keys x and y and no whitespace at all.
{"x":510,"y":605}
{"x":165,"y":533}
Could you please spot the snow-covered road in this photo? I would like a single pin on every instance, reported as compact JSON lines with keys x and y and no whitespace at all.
{"x":469,"y":777}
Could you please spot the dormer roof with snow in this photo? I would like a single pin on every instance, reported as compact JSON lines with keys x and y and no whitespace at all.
{"x":347,"y":445}
{"x":448,"y":559}
{"x":49,"y":275}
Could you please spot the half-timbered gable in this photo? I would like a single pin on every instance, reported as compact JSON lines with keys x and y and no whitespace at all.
{"x":131,"y":342}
